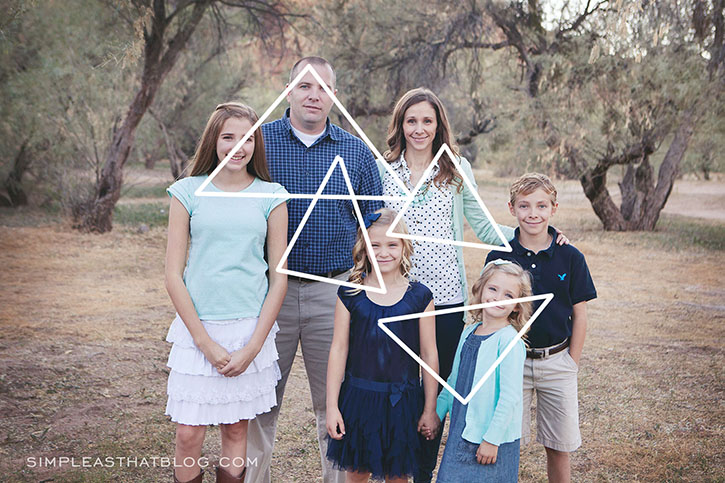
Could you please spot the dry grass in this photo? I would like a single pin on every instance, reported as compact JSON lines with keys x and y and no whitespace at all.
{"x":82,"y":357}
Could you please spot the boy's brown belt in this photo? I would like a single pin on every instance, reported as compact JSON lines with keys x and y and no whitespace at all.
{"x":547,"y":351}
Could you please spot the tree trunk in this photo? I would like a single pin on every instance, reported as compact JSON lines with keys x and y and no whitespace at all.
{"x":178,"y":164}
{"x":668,"y":171}
{"x":96,"y":214}
{"x":642,"y":201}
{"x":177,"y":157}
{"x":16,"y":194}
{"x":594,"y":183}
{"x":150,"y":157}
{"x":636,"y":188}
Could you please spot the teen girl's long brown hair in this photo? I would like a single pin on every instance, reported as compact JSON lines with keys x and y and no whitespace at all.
{"x":205,"y":158}
{"x":396,"y":136}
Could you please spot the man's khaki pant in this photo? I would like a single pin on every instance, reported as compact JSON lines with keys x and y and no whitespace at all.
{"x":306,"y":317}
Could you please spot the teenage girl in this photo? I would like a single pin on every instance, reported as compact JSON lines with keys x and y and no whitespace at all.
{"x":223,"y":360}
{"x":483,"y":438}
{"x":375,"y":405}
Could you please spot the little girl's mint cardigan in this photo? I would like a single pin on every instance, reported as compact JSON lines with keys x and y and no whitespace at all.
{"x":495,"y":411}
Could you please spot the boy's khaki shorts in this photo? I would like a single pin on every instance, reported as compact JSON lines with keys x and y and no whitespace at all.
{"x":557,"y":405}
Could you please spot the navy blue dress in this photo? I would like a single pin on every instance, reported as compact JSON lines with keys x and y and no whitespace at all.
{"x":381,"y":398}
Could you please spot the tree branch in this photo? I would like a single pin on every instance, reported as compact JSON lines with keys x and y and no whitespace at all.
{"x":580,"y":19}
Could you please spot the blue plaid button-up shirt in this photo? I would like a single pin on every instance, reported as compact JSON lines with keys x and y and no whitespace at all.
{"x":326,"y":241}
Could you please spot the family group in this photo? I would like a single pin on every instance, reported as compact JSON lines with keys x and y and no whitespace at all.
{"x":240,"y":322}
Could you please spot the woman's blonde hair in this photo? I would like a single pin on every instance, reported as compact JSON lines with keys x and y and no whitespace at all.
{"x":361,"y":263}
{"x":522,"y":311}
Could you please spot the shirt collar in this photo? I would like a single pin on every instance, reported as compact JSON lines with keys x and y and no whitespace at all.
{"x":330,"y":129}
{"x":401,"y":167}
{"x":519,"y":249}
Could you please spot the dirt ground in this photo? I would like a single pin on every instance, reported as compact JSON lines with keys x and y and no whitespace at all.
{"x":83,"y":358}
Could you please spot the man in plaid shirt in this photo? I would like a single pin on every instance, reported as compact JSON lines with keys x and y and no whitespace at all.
{"x":300,"y":148}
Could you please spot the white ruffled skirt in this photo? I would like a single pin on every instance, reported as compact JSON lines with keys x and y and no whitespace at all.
{"x":199,"y":395}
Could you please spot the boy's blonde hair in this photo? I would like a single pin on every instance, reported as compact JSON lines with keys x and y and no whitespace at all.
{"x":361,"y":263}
{"x":522,"y":311}
{"x":530,"y":182}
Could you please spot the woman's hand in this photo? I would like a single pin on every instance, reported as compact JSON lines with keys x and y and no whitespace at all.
{"x":239,"y":361}
{"x":215,"y":354}
{"x":335,"y":424}
{"x":486,"y":453}
{"x":429,"y":424}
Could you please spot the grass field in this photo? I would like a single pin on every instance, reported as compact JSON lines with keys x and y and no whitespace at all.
{"x":83,"y":358}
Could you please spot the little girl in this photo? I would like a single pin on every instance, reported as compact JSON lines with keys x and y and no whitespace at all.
{"x":223,"y":360}
{"x":483,"y":438}
{"x":373,"y":416}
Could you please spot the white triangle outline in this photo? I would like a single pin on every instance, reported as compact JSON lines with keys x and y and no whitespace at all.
{"x":368,"y":245}
{"x":379,"y":157}
{"x":461,"y":243}
{"x":547,"y":297}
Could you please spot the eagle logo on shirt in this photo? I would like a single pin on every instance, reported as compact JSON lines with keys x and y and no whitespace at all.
{"x":561,"y":277}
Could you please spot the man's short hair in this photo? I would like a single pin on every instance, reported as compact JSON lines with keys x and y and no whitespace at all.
{"x":314,"y":61}
{"x":530,"y":182}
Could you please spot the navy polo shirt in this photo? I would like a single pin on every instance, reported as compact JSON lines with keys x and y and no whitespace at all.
{"x":561,"y":270}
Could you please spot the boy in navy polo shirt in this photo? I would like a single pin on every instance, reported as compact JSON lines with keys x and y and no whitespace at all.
{"x":556,"y":337}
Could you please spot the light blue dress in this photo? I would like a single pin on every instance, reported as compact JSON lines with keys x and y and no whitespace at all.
{"x":459,"y":458}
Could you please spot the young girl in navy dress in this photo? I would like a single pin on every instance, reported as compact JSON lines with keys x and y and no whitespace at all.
{"x":483,"y":437}
{"x":223,"y":360}
{"x":375,"y":413}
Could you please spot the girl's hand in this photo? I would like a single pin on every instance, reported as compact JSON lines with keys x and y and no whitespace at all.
{"x":561,"y":239}
{"x":429,"y":424}
{"x":239,"y":361}
{"x":335,"y":424}
{"x":215,"y":354}
{"x":486,"y":453}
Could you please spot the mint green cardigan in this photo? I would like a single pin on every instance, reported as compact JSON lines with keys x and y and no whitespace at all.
{"x":495,"y":411}
{"x":465,"y":204}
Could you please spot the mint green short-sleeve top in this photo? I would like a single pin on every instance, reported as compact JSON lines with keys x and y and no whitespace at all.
{"x":225,"y":273}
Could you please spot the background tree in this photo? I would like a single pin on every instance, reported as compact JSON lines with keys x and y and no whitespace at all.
{"x":644,"y":85}
{"x":624,"y":96}
{"x":596,"y":84}
{"x":60,"y":96}
{"x":166,"y":29}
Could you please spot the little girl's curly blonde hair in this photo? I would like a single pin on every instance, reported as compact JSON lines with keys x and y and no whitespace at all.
{"x":522,"y":312}
{"x":361,"y":263}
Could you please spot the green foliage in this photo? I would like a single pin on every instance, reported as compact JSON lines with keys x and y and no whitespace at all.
{"x":69,"y":69}
{"x":62,"y":91}
{"x":210,"y":71}
{"x":144,"y":191}
{"x":682,"y":233}
{"x":624,"y":69}
{"x":151,"y":214}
